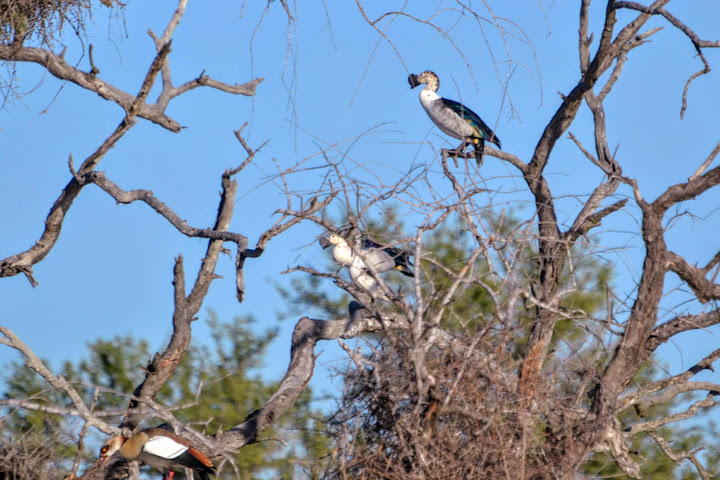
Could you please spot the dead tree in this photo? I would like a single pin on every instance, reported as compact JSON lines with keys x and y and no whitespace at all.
{"x":518,"y":392}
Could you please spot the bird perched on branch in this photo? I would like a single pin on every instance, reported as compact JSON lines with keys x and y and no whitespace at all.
{"x":453,"y":118}
{"x":160,"y":449}
{"x":381,"y":258}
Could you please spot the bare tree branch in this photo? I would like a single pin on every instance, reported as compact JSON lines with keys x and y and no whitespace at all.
{"x":677,"y":457}
{"x":23,"y":262}
{"x":163,"y":365}
{"x":678,"y":381}
{"x":698,"y":43}
{"x":704,"y":289}
{"x":57,"y":66}
{"x":146,"y":196}
{"x":651,"y":426}
{"x":683,"y":323}
{"x":33,"y":362}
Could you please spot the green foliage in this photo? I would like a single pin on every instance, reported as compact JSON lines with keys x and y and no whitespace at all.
{"x":114,"y":364}
{"x":22,"y":383}
{"x":308,"y":296}
{"x":449,"y":249}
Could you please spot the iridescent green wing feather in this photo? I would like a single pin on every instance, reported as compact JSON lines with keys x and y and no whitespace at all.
{"x":480,"y":127}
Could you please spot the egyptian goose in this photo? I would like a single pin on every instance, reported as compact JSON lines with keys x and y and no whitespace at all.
{"x":453,"y":118}
{"x":160,"y":449}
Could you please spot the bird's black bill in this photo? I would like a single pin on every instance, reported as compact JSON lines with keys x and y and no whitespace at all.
{"x":324,"y":242}
{"x":413,"y":80}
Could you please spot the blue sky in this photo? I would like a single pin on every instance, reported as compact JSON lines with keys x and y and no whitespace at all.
{"x":110,"y":273}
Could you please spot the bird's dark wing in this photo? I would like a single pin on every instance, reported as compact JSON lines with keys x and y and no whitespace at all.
{"x":474,"y":120}
{"x":399,"y":256}
{"x":402,"y":261}
{"x":367,"y":244}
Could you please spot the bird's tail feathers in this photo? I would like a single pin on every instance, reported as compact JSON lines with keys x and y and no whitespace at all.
{"x":479,"y":145}
{"x":405,"y":270}
{"x":204,"y":473}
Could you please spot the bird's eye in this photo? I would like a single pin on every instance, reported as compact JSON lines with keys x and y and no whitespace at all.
{"x":103,"y":450}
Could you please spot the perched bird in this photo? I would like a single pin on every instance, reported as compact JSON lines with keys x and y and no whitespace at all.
{"x":381,"y":258}
{"x":365,"y":280}
{"x":160,"y":449}
{"x":453,"y":118}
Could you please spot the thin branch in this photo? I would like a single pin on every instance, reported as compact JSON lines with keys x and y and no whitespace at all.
{"x":706,"y":163}
{"x":697,"y":42}
{"x":23,"y":262}
{"x":247,"y":89}
{"x":704,"y":289}
{"x":705,"y":364}
{"x":58,"y":382}
{"x":27,"y":404}
{"x":583,"y":225}
{"x":683,"y":323}
{"x":146,"y":196}
{"x":652,"y":426}
{"x":174,"y":22}
{"x":57,"y":66}
{"x":678,"y":457}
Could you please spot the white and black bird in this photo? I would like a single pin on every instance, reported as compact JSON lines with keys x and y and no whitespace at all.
{"x":381,"y":258}
{"x":453,"y":118}
{"x":160,"y":449}
{"x":367,"y":282}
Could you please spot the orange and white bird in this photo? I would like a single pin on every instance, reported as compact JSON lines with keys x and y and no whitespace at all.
{"x":160,"y":449}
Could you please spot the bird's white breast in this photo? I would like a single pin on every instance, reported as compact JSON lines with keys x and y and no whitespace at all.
{"x":343,"y":255}
{"x":446,"y":119}
{"x":164,"y":447}
{"x":428,"y":96}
